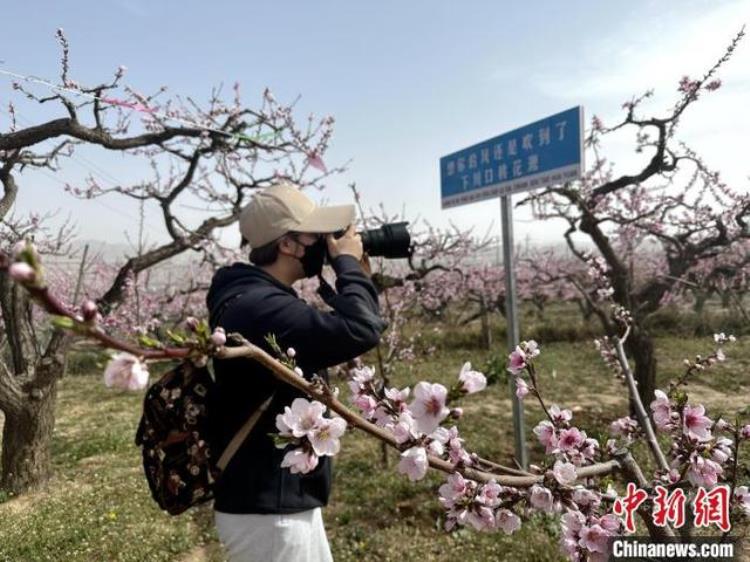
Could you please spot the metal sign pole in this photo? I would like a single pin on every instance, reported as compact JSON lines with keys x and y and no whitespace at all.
{"x":511,"y":316}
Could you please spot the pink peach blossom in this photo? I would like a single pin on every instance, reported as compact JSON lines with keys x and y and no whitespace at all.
{"x":405,"y":429}
{"x":662,"y":410}
{"x":570,"y":438}
{"x":471,"y":381}
{"x":695,"y":423}
{"x":398,"y":397}
{"x":742,"y":495}
{"x":435,"y":448}
{"x":219,"y":337}
{"x":428,"y":407}
{"x":360,"y":378}
{"x":299,"y":461}
{"x":413,"y":463}
{"x":545,"y":431}
{"x":623,"y":426}
{"x":541,"y":498}
{"x":489,"y":494}
{"x":481,"y":518}
{"x":126,"y":372}
{"x":522,"y":389}
{"x":324,"y":438}
{"x":703,"y":471}
{"x":366,"y":404}
{"x":302,"y":418}
{"x":558,"y":415}
{"x":454,"y":488}
{"x":517,"y":361}
{"x":611,"y":523}
{"x":508,"y":521}
{"x":594,"y":538}
{"x":564,"y":472}
{"x":584,"y":497}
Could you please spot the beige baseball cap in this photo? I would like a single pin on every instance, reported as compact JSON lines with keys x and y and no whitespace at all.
{"x":283,"y":208}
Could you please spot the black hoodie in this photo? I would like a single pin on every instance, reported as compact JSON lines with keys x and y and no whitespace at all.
{"x":247,"y":300}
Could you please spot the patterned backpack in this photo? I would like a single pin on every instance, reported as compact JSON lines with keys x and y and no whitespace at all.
{"x":175,"y":438}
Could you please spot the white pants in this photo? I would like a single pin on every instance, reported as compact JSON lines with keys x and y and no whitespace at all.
{"x":296,"y":537}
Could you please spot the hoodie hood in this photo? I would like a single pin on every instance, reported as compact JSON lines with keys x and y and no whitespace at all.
{"x":230,"y":281}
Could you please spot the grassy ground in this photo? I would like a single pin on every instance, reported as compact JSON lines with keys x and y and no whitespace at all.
{"x":97,"y":506}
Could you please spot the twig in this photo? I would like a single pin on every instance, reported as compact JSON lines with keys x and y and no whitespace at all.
{"x":286,"y":375}
{"x":81,"y":271}
{"x":640,"y":411}
{"x":633,"y":472}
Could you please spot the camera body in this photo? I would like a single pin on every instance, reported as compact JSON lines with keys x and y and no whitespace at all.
{"x":390,"y":240}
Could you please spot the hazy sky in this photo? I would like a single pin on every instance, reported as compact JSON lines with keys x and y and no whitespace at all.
{"x":407,"y":81}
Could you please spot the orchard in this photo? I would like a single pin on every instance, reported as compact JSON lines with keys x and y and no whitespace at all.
{"x":631,"y":366}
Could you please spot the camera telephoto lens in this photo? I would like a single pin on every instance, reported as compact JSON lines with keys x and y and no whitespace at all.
{"x":389,"y":241}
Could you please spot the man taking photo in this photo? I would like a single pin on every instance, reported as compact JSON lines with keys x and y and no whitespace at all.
{"x":264,"y":512}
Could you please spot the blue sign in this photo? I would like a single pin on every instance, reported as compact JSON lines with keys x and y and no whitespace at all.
{"x":546,"y":152}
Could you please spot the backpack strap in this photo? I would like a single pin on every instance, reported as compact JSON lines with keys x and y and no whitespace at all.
{"x":242,"y":434}
{"x":326,"y":292}
{"x":248,"y":426}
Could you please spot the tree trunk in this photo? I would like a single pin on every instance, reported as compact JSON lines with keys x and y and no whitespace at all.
{"x":486,"y":326}
{"x":726,"y":299}
{"x":640,"y":347}
{"x":28,"y":391}
{"x":700,"y":301}
{"x":27,"y":436}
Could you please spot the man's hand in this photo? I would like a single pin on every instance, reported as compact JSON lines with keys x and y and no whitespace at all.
{"x":349,"y":244}
{"x":365,"y":263}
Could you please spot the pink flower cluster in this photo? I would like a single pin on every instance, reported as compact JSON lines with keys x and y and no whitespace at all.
{"x":304,"y":425}
{"x":697,"y":451}
{"x":566,"y":442}
{"x":522,"y":356}
{"x":626,"y":429}
{"x":584,"y":537}
{"x":688,"y":86}
{"x":417,"y":425}
{"x":481,"y":506}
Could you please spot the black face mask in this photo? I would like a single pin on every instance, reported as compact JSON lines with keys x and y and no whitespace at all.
{"x":315,"y":255}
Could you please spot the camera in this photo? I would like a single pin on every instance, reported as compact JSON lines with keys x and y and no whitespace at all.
{"x":391,"y":240}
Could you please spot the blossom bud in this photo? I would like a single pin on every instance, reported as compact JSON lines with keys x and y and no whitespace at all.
{"x":22,"y":272}
{"x":456,"y":413}
{"x":745,"y":432}
{"x":522,"y":389}
{"x":219,"y":337}
{"x":722,"y":425}
{"x":291,"y":353}
{"x":192,"y":324}
{"x":89,"y":310}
